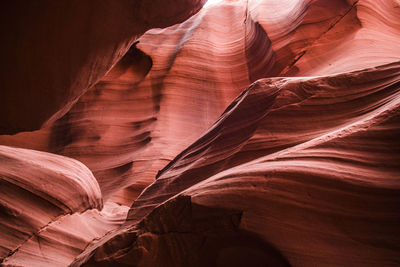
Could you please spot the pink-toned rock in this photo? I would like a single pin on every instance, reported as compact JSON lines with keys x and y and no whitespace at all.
{"x":301,"y":169}
{"x":59,"y":242}
{"x":306,"y":167}
{"x":38,"y":188}
{"x":173,"y":84}
{"x":55,"y":50}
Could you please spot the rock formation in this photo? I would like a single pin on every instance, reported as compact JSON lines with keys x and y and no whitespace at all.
{"x":56,"y":50}
{"x":255,"y":133}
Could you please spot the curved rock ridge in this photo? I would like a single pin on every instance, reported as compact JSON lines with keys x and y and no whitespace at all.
{"x":366,"y":35}
{"x":137,"y":108}
{"x":63,"y":239}
{"x":295,"y":25}
{"x":194,"y":228}
{"x":172,"y":85}
{"x":301,"y":169}
{"x":38,"y":188}
{"x":54,"y":58}
{"x":292,"y":161}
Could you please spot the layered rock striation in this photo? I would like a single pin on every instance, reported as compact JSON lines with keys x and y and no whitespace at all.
{"x":255,"y":133}
{"x":55,"y":51}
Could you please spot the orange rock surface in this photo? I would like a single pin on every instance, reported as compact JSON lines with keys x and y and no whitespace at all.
{"x":255,"y":133}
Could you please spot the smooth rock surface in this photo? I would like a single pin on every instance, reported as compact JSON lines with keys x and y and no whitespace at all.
{"x":255,"y":133}
{"x":38,"y":188}
{"x":55,"y":50}
{"x":331,"y":181}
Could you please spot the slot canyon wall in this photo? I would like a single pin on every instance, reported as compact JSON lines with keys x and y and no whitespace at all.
{"x":165,"y":133}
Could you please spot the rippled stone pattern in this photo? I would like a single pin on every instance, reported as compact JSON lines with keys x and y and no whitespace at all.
{"x":255,"y":133}
{"x":55,"y":50}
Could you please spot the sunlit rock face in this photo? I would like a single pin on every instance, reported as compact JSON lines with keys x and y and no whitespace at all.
{"x":255,"y":133}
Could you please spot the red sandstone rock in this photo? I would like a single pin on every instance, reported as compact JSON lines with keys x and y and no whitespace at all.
{"x":301,"y":169}
{"x":38,"y":188}
{"x":55,"y":50}
{"x":308,"y":165}
{"x":172,"y":93}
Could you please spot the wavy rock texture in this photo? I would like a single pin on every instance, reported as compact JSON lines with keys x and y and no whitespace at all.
{"x":59,"y":242}
{"x":55,"y":51}
{"x":301,"y":169}
{"x":292,"y":161}
{"x":174,"y":84}
{"x":46,"y":186}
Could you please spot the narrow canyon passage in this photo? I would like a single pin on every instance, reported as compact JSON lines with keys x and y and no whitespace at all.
{"x":194,"y":133}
